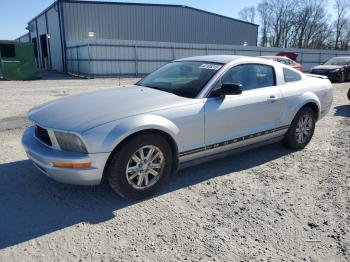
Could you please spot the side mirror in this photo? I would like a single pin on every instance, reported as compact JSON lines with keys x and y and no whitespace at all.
{"x":228,"y":89}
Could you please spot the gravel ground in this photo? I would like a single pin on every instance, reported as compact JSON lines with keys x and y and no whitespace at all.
{"x":269,"y":204}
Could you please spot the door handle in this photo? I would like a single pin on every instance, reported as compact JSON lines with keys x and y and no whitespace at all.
{"x":273,"y":98}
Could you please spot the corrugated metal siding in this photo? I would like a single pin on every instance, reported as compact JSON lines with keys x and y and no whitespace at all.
{"x":24,"y":38}
{"x":103,"y":57}
{"x":41,"y":25}
{"x":55,"y":40}
{"x":41,"y":30}
{"x":53,"y":29}
{"x":36,"y":24}
{"x":154,"y":23}
{"x":33,"y":35}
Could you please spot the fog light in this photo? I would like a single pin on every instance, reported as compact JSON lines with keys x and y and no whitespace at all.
{"x":71,"y":165}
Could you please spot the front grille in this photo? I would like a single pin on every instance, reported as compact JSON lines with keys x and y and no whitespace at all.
{"x":43,"y":135}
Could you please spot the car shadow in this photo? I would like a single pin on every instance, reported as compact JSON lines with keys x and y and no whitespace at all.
{"x":32,"y":205}
{"x":343,"y":110}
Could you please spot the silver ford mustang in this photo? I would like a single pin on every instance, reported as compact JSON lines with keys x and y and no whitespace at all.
{"x":185,"y":112}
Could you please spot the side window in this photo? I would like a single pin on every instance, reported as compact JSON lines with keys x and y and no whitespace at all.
{"x":290,"y":75}
{"x":251,"y":76}
{"x":7,"y":50}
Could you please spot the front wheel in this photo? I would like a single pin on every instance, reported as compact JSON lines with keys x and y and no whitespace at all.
{"x":341,"y":77}
{"x":140,"y":166}
{"x":301,"y":130}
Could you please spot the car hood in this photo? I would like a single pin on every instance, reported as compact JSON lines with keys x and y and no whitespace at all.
{"x":328,"y":67}
{"x":79,"y":113}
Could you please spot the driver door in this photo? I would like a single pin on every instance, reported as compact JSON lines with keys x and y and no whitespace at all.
{"x":259,"y":107}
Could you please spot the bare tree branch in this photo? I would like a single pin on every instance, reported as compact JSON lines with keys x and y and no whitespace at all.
{"x":247,"y":14}
{"x":301,"y":23}
{"x":342,"y":10}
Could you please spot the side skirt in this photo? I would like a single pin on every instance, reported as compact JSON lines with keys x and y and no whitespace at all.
{"x":233,"y":141}
{"x":204,"y":159}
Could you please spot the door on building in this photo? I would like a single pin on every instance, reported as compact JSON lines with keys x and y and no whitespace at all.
{"x":44,"y":51}
{"x":35,"y":51}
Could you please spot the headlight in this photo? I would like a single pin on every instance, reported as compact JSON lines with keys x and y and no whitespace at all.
{"x":334,"y":70}
{"x":70,"y":142}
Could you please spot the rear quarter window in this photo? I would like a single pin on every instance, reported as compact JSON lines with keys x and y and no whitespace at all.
{"x":290,"y":75}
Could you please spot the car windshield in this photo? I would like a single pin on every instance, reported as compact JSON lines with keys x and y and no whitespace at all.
{"x":338,"y":61}
{"x":184,"y":78}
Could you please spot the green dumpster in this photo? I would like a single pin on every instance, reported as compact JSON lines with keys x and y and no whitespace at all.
{"x":17,"y":61}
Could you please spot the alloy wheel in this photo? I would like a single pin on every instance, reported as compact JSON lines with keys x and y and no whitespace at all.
{"x":303,"y":128}
{"x":145,"y":167}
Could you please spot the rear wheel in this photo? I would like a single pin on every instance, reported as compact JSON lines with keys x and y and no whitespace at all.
{"x":301,"y":130}
{"x":140,"y":166}
{"x":341,"y":77}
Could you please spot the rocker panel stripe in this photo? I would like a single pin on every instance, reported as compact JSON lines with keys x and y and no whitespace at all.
{"x":232,"y":141}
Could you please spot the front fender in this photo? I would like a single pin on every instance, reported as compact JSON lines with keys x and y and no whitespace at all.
{"x":106,"y":137}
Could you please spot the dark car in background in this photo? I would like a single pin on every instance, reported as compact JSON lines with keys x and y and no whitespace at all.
{"x":337,"y":69}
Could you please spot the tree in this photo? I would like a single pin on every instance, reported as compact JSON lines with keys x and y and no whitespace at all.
{"x":344,"y":39}
{"x":342,"y":10}
{"x":301,"y":23}
{"x":310,"y":24}
{"x":280,"y":17}
{"x":263,"y":10}
{"x":247,"y":14}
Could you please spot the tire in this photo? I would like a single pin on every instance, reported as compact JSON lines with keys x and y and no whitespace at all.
{"x":341,"y":78}
{"x":349,"y":94}
{"x":293,"y":138}
{"x":126,"y":183}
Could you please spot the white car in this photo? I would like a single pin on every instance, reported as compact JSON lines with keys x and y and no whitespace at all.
{"x":185,"y":112}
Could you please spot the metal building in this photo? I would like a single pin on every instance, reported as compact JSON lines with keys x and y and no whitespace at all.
{"x":23,"y":38}
{"x":65,"y":22}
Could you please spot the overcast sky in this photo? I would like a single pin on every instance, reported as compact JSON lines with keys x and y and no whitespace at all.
{"x":16,"y":13}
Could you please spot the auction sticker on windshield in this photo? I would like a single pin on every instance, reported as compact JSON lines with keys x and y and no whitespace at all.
{"x":211,"y":66}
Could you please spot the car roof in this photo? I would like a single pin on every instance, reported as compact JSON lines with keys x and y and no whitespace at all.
{"x":274,"y":56}
{"x":223,"y":59}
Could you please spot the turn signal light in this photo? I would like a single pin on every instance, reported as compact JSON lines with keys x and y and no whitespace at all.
{"x":71,"y":165}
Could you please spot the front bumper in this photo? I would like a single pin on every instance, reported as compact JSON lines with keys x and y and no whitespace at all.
{"x":332,"y":76}
{"x":43,"y":156}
